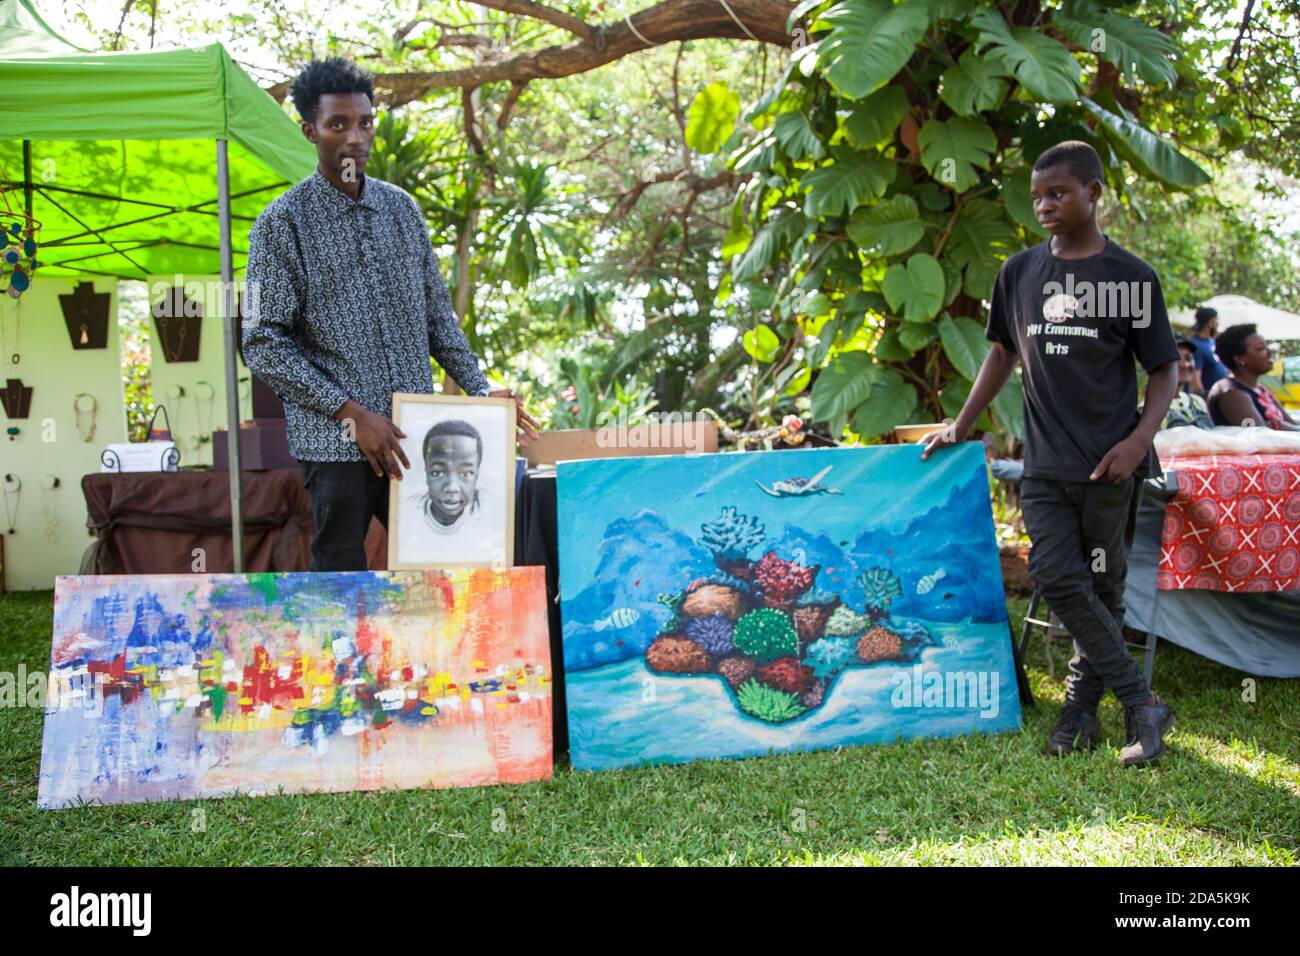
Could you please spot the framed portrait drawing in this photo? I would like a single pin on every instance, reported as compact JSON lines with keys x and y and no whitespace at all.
{"x":455,"y":507}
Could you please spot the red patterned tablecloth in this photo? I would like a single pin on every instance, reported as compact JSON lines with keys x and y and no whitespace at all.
{"x":1234,"y":524}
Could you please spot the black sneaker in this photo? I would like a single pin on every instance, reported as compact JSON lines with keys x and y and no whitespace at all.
{"x":1076,"y":729}
{"x":1146,"y":725}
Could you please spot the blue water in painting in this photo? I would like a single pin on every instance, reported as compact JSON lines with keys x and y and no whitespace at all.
{"x":630,"y":529}
{"x":622,"y":714}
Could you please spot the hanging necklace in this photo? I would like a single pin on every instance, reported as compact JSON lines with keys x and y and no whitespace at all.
{"x":50,"y":507}
{"x":165,"y":333}
{"x":11,"y":350}
{"x":13,"y":486}
{"x":83,"y":413}
{"x":174,"y":395}
{"x":203,"y":409}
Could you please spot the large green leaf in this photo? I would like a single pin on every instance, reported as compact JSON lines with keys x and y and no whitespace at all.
{"x":846,"y":184}
{"x":843,"y":384}
{"x":972,"y":85}
{"x":783,"y":227}
{"x":964,"y":344}
{"x":761,"y":343}
{"x":874,"y":120}
{"x":888,"y":227}
{"x":953,"y":396}
{"x":1150,"y":154}
{"x":915,"y":336}
{"x":1019,"y":204}
{"x":711,"y":118}
{"x":1044,"y":67}
{"x":890,"y":348}
{"x":951,"y":150}
{"x":892,"y":403}
{"x":795,"y":134}
{"x":980,"y":240}
{"x":1009,"y":406}
{"x":869,"y":41}
{"x":1133,"y":46}
{"x":917,"y":287}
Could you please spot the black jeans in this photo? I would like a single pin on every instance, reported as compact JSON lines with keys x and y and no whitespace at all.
{"x":1079,"y":533}
{"x":345,"y":495}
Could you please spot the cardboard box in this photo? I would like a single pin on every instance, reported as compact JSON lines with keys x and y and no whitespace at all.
{"x":630,"y":441}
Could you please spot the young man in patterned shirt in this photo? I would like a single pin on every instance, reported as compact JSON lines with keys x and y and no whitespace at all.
{"x":347,"y":305}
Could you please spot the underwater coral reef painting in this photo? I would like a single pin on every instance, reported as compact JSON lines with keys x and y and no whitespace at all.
{"x":733,"y":605}
{"x":182,"y":686}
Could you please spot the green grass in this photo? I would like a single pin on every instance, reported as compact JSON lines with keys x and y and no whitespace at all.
{"x":1227,"y":793}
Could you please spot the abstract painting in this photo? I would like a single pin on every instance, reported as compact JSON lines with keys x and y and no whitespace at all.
{"x":455,"y":507}
{"x":183,"y":686}
{"x":737,"y":604}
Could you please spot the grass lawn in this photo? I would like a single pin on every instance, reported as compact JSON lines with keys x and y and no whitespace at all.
{"x":1227,"y":793}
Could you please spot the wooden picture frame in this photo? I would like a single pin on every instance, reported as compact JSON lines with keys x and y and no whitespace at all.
{"x":485,"y":534}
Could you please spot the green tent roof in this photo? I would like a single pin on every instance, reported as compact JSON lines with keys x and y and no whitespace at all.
{"x":122,"y":163}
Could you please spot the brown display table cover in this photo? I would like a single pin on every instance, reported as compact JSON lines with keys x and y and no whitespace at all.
{"x":151,"y":522}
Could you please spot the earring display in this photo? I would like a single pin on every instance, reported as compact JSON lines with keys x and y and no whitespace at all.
{"x":85,"y":312}
{"x":11,"y":488}
{"x":85,"y":408}
{"x":50,"y":507}
{"x":16,"y":398}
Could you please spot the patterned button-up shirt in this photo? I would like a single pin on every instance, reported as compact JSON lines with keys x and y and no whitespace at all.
{"x":345,"y":301}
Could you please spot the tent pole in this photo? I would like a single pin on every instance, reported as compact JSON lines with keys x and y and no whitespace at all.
{"x":27,"y":179}
{"x":232,"y":358}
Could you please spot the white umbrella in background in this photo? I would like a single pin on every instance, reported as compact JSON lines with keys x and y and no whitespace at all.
{"x":1274,"y":324}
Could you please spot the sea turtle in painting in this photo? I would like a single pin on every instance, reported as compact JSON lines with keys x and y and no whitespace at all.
{"x":801,"y":486}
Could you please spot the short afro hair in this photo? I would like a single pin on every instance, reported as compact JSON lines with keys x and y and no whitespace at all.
{"x":455,"y":427}
{"x":1080,"y":159}
{"x":1204,"y":315}
{"x":333,"y":75}
{"x":1231,"y":343}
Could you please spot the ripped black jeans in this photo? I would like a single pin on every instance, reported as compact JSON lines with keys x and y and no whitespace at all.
{"x":1079,"y":533}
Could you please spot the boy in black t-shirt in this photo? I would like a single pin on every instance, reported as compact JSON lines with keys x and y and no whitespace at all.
{"x":1077,"y":310}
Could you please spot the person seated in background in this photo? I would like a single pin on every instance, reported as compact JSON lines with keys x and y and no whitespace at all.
{"x":1188,"y":408}
{"x":1209,"y":366}
{"x":1239,"y":399}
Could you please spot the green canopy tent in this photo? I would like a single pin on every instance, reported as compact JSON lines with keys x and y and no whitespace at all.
{"x":132,"y":161}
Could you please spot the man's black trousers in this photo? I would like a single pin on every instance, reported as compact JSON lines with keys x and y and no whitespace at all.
{"x":345,"y":495}
{"x":1079,"y":533}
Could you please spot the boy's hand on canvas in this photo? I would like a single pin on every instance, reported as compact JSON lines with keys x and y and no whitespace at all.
{"x":1120,"y":462}
{"x":527,"y":424}
{"x":948,"y":435}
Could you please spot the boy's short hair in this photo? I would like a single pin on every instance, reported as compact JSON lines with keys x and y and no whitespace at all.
{"x":452,"y":426}
{"x":1082,"y":161}
{"x":1231,"y":342}
{"x":1183,"y":342}
{"x":1203,"y":316}
{"x":332,"y":75}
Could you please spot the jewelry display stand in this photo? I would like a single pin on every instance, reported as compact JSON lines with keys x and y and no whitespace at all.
{"x":85,"y":312}
{"x":179,"y":323}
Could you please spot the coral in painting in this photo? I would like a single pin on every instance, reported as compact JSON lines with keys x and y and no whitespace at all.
{"x":777,"y":642}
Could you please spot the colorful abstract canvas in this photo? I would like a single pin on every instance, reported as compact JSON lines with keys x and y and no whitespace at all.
{"x":181,"y":686}
{"x":738,"y":604}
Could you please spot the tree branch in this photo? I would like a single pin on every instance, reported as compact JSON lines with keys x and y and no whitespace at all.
{"x":667,"y":22}
{"x":526,"y":8}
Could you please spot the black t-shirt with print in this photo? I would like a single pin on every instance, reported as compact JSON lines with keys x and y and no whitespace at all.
{"x":1077,"y":325}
